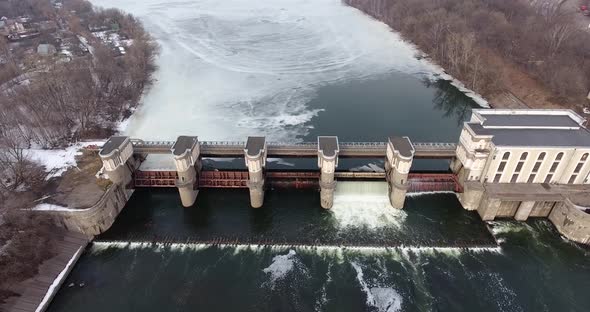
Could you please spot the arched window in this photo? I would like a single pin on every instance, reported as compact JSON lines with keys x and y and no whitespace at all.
{"x":559,"y":156}
{"x":506,"y":156}
{"x":556,"y":163}
{"x":539,"y":162}
{"x":581,"y":163}
{"x":520,"y":164}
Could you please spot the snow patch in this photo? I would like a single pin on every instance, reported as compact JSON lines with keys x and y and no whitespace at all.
{"x":280,"y":161}
{"x":52,"y":207}
{"x":57,"y":161}
{"x":369,"y":168}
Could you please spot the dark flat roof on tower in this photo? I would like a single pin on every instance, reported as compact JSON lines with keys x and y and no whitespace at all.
{"x":535,"y":137}
{"x":402,"y":145}
{"x":183,"y":143}
{"x":255,"y":145}
{"x":543,"y":128}
{"x":112,"y":144}
{"x":493,"y":120}
{"x":328,"y":145}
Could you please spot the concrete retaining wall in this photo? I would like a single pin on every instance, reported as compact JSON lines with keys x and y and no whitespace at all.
{"x":571,"y":222}
{"x":98,"y":218}
{"x":507,"y":209}
{"x":541,"y":209}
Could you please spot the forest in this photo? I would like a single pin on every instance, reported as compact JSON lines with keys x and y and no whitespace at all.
{"x":480,"y":41}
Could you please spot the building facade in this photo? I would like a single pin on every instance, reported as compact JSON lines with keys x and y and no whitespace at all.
{"x":525,"y":146}
{"x":525,"y":163}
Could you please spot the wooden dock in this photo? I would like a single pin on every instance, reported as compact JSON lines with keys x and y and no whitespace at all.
{"x":32,"y":291}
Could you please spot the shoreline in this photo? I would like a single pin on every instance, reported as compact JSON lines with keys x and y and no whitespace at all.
{"x":39,"y":290}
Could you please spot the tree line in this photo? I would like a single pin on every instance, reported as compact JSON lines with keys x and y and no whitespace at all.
{"x":463,"y":36}
{"x":64,"y":101}
{"x":48,"y":102}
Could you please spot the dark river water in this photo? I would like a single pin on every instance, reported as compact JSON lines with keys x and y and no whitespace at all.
{"x":296,"y":69}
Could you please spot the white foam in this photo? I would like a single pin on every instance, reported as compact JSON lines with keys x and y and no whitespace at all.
{"x":385,"y":299}
{"x":365,"y":204}
{"x":281,"y":265}
{"x":331,"y":250}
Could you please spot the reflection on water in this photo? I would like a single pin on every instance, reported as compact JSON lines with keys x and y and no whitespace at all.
{"x":294,"y":217}
{"x":450,"y":100}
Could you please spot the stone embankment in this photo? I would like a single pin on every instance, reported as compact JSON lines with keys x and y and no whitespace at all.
{"x":571,"y":220}
{"x":99,"y":217}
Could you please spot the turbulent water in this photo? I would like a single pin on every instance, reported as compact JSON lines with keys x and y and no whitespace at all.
{"x":533,"y":269}
{"x":292,"y":70}
{"x":233,"y":68}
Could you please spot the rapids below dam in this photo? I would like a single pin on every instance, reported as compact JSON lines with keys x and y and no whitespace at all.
{"x":292,"y":70}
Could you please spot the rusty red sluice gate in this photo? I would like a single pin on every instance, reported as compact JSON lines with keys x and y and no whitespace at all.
{"x":418,"y":182}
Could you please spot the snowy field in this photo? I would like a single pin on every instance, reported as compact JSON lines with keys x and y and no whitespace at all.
{"x":58,"y":161}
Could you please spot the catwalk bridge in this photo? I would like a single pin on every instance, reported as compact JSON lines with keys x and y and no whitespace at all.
{"x":220,"y":149}
{"x":122,"y":157}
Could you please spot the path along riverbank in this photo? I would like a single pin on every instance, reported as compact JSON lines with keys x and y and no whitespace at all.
{"x":36,"y":293}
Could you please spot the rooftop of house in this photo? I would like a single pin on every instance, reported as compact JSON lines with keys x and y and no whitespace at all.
{"x":531,"y":127}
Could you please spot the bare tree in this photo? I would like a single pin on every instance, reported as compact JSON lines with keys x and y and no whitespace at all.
{"x":15,"y":165}
{"x":557,"y":35}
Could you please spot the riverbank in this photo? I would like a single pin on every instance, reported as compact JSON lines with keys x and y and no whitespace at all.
{"x":492,"y":51}
{"x":35,"y":294}
{"x":83,"y":72}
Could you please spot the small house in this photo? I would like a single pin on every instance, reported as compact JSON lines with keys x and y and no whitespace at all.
{"x":46,"y":49}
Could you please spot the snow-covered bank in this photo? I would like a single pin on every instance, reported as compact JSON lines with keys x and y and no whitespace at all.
{"x":57,"y":161}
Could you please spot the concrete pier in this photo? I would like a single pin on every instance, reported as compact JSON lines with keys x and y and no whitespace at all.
{"x":117,"y":159}
{"x":255,"y":157}
{"x":400,"y":154}
{"x":188,"y":165}
{"x":328,"y":150}
{"x":524,"y":210}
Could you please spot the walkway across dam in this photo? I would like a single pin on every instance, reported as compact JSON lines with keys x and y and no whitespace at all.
{"x":122,"y":157}
{"x":307,"y":149}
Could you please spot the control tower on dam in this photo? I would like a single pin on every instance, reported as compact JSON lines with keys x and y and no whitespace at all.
{"x":506,"y":164}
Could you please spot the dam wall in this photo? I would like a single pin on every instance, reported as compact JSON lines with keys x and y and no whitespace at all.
{"x":571,"y":221}
{"x":98,"y":218}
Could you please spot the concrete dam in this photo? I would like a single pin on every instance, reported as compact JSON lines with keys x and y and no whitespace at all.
{"x":491,"y":170}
